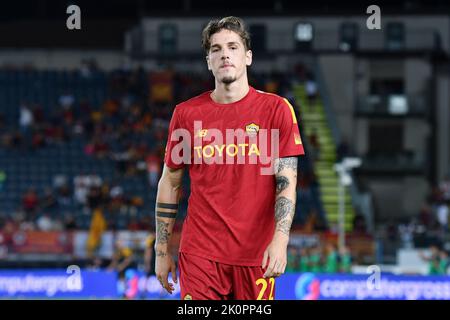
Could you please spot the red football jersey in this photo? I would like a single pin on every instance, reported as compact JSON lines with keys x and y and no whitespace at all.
{"x":231,"y":215}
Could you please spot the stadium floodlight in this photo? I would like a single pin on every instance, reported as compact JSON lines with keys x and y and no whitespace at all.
{"x":304,"y":32}
{"x":343,"y":169}
{"x":398,"y":104}
{"x":303,"y":36}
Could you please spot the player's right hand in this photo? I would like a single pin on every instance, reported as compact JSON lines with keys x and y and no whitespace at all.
{"x":163,"y":265}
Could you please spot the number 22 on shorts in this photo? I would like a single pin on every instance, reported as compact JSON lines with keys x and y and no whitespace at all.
{"x":263,"y":282}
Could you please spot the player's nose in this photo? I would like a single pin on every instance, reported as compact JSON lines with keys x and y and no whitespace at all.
{"x":225,"y":54}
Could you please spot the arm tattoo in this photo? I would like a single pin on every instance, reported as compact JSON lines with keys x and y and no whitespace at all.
{"x":162,"y":232}
{"x":162,"y":214}
{"x":284,"y":226}
{"x":284,"y":214}
{"x":284,"y":163}
{"x":162,"y":205}
{"x":166,"y":210}
{"x":160,"y":253}
{"x":282,"y":183}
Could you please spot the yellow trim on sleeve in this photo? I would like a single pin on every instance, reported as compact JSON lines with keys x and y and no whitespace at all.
{"x":297,"y":139}
{"x":294,"y":118}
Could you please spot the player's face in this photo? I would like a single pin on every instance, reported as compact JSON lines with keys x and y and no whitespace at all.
{"x":227,"y":58}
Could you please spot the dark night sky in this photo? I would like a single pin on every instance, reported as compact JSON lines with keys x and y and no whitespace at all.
{"x":41,"y":23}
{"x":12,"y":10}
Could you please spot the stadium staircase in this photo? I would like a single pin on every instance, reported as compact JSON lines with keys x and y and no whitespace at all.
{"x":313,"y":117}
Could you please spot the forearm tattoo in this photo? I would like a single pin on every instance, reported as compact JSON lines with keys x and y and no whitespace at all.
{"x":284,"y":207}
{"x":162,"y":232}
{"x":282,"y":183}
{"x":160,"y":253}
{"x":162,"y":205}
{"x":286,"y":163}
{"x":162,"y":214}
{"x":166,"y":210}
{"x":284,"y":214}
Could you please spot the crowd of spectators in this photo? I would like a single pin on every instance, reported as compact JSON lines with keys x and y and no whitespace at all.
{"x":429,"y":227}
{"x":319,"y":259}
{"x":437,"y":260}
{"x":129,"y":129}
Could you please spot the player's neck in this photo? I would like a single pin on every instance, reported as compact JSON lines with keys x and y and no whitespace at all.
{"x":229,"y":93}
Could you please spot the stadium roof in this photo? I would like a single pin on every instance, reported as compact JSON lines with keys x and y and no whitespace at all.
{"x":133,"y":9}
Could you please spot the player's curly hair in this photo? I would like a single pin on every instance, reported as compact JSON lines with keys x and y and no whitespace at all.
{"x":229,"y":23}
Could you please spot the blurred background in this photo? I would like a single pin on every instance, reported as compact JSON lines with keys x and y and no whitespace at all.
{"x":83,"y":125}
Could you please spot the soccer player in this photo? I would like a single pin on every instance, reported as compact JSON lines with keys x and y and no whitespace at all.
{"x":236,"y":232}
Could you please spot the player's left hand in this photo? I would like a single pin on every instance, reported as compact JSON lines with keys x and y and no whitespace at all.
{"x":276,"y":256}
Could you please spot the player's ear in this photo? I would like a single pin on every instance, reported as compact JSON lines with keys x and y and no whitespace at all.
{"x":248,"y":57}
{"x":207,"y":62}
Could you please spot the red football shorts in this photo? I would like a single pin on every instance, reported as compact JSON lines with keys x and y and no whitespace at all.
{"x":203,"y":279}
